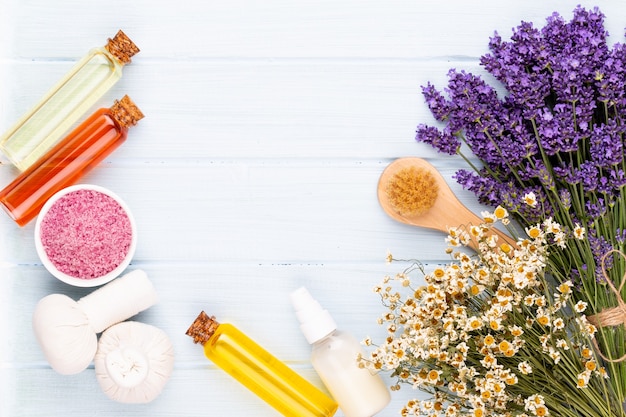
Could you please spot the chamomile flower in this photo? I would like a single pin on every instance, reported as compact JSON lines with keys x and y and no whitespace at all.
{"x":530,"y":199}
{"x":525,"y":367}
{"x":473,"y":329}
{"x":580,"y":306}
{"x":579,"y":232}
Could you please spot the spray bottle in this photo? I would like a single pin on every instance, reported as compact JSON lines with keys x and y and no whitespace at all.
{"x":334,"y":356}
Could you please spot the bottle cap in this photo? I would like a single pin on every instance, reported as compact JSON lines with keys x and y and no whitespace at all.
{"x":202,"y":328}
{"x":121,"y":47}
{"x":315,"y":322}
{"x":126,"y":112}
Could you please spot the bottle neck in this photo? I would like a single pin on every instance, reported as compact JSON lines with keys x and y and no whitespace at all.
{"x":324,"y":338}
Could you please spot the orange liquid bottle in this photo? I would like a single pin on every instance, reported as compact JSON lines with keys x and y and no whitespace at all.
{"x":69,"y":160}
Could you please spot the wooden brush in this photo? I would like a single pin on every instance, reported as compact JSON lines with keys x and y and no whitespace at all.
{"x":412,"y":191}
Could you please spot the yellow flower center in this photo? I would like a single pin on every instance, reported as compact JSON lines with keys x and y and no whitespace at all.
{"x":433,"y":375}
{"x":474,"y":290}
{"x":564,"y":288}
{"x":504,"y":346}
{"x":543,"y":320}
{"x":591,"y":365}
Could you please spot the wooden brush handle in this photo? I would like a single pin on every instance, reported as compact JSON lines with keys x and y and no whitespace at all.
{"x":446,"y":211}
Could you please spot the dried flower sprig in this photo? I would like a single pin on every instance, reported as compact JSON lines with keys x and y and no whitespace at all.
{"x":552,"y":145}
{"x":490,"y":335}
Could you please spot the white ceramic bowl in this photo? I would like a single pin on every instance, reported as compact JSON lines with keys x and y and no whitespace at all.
{"x":73,"y":280}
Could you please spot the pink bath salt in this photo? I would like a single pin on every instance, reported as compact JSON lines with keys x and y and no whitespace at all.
{"x":86,"y":234}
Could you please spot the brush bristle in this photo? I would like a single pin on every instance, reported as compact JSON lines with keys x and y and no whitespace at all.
{"x":412,"y":191}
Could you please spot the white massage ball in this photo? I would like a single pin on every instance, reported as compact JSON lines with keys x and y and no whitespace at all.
{"x":133,"y":362}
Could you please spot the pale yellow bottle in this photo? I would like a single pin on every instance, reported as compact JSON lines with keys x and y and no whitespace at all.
{"x":41,"y":127}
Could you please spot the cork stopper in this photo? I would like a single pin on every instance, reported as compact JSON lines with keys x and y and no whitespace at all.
{"x":126,"y":112}
{"x":202,"y":328}
{"x":121,"y":47}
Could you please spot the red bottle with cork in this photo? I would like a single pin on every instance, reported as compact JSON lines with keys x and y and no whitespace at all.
{"x":69,"y":160}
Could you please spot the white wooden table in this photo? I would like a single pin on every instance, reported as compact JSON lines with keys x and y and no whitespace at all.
{"x":254,"y":172}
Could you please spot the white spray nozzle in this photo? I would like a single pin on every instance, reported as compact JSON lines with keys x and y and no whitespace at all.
{"x":315,"y":322}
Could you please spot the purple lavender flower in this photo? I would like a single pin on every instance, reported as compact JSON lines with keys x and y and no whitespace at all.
{"x":442,"y":141}
{"x":558,"y":131}
{"x":617,"y":179}
{"x":599,"y":248}
{"x":595,"y":209}
{"x":605,"y":144}
{"x":559,"y":127}
{"x":588,"y":175}
{"x":436,"y":102}
{"x":565,"y":196}
{"x":610,"y":80}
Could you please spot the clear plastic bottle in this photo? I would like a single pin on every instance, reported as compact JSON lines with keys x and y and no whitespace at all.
{"x":69,"y":160}
{"x":358,"y":392}
{"x":46,"y":122}
{"x":259,"y":371}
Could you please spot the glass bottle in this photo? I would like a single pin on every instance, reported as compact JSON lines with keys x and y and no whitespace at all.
{"x":358,"y":392}
{"x":258,"y":370}
{"x":41,"y":127}
{"x":69,"y":160}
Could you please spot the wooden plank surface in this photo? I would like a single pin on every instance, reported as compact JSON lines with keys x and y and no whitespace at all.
{"x":254,"y":172}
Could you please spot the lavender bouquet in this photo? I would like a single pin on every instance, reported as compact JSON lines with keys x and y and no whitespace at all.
{"x":548,"y":143}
